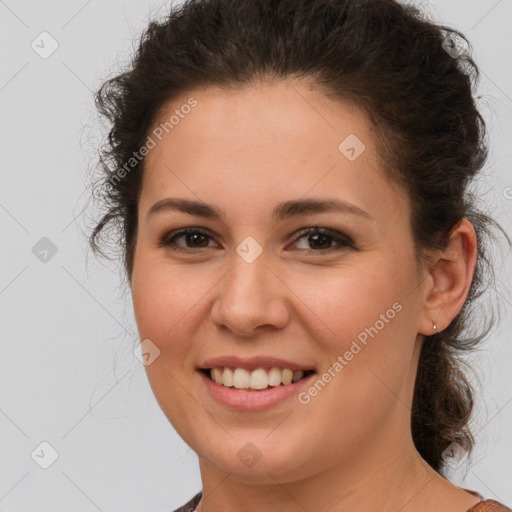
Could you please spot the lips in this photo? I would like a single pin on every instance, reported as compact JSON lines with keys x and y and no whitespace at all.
{"x":247,"y":400}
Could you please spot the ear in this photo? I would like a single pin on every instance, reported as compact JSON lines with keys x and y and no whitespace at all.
{"x":450,"y":274}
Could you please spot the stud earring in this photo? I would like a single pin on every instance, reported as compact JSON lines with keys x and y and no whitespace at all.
{"x":434,"y":325}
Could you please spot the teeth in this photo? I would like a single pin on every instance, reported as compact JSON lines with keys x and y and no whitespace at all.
{"x":297,"y":375}
{"x":226,"y":378}
{"x":216,"y":375}
{"x":275,"y":377}
{"x":287,"y":376}
{"x":259,"y":378}
{"x":241,"y":378}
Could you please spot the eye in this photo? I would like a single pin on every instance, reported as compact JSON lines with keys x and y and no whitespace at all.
{"x":195,"y":236}
{"x":321,"y":238}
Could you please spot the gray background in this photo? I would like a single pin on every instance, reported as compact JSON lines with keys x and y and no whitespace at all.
{"x":68,"y":375}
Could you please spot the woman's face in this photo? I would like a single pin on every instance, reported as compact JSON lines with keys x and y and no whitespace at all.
{"x":253,"y":284}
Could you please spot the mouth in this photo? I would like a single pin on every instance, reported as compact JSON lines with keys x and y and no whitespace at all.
{"x":259,"y":379}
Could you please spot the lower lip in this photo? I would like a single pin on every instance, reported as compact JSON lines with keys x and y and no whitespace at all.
{"x":241,"y":400}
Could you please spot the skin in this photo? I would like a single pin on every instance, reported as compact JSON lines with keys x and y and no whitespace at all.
{"x":350,"y":448}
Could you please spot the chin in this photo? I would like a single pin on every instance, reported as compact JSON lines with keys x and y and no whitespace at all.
{"x":260,"y":459}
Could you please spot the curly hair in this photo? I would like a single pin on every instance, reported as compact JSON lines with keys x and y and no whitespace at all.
{"x":413,"y":79}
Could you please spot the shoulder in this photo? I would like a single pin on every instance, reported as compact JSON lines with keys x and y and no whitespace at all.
{"x":190,"y":505}
{"x":489,"y":506}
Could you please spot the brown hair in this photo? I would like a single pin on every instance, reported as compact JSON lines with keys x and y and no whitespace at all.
{"x":388,"y":59}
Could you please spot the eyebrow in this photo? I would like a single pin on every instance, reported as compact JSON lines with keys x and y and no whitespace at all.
{"x":282,"y":211}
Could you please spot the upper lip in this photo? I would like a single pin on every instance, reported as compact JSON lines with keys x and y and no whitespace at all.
{"x":251,"y":363}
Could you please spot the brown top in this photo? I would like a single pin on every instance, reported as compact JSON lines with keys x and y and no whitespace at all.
{"x":191,"y":505}
{"x":489,"y":506}
{"x":483,"y":506}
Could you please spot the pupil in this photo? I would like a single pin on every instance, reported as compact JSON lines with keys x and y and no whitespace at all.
{"x":193,"y":236}
{"x":321,"y":236}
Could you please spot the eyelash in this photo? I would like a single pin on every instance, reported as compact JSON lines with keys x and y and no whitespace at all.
{"x":344,"y":241}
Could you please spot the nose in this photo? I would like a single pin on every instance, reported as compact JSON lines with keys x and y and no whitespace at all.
{"x":251,"y":298}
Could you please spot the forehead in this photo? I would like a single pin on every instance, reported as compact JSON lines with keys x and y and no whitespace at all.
{"x":278,"y":140}
{"x":280,"y":115}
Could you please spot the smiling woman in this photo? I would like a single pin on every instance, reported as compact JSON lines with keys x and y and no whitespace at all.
{"x":302,"y":249}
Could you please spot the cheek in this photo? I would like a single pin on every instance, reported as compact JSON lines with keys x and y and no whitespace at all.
{"x":166,"y":307}
{"x":162,"y":295}
{"x":367,"y":345}
{"x":364,"y":316}
{"x":166,"y":304}
{"x":343,"y":302}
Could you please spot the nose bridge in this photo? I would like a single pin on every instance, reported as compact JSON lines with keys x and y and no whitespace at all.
{"x":250,"y":269}
{"x":248,"y":284}
{"x":250,"y":294}
{"x":249,"y":276}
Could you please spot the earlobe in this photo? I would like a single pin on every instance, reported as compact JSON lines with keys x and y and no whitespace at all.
{"x":451,"y":274}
